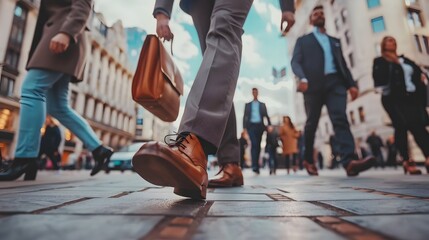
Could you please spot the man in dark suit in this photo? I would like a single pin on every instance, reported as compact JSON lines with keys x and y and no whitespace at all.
{"x":253,"y":121}
{"x":324,"y":77}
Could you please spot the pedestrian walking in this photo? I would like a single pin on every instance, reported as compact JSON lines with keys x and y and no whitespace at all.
{"x":392,"y":152}
{"x":50,"y":143}
{"x":375,"y":144}
{"x":335,"y":152}
{"x":289,"y":136}
{"x":324,"y":79}
{"x":57,"y":57}
{"x":243,"y":145}
{"x":208,"y":123}
{"x":403,"y":96}
{"x":271,"y":149}
{"x":253,"y":121}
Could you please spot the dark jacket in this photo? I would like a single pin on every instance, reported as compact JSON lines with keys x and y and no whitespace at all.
{"x":51,"y":139}
{"x":165,"y":6}
{"x":391,"y":74}
{"x":308,"y":62}
{"x":61,"y":16}
{"x":262,"y":112}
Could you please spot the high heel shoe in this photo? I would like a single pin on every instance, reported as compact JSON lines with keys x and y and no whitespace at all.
{"x":20,"y":166}
{"x":101,"y":157}
{"x":410,"y":167}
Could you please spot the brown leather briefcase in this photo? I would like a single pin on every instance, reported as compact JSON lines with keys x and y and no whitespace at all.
{"x":157,"y":83}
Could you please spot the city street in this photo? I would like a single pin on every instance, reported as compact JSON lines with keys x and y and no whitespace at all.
{"x":380,"y":204}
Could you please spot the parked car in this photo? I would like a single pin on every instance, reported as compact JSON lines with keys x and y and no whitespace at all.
{"x":121,"y":160}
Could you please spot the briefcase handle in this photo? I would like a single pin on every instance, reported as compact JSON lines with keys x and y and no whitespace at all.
{"x":171,"y":45}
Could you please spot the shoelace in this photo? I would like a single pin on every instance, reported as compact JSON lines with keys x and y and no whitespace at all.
{"x":178,"y":140}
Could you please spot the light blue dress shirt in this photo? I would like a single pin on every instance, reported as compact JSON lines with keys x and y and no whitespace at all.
{"x":323,"y":40}
{"x":255,"y":116}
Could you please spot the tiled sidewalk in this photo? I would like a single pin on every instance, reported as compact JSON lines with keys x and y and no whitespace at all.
{"x":380,"y":204}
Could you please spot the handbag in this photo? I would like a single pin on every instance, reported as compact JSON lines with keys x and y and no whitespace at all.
{"x":157,"y":83}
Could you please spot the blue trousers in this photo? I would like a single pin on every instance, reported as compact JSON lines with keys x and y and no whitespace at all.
{"x":46,"y":92}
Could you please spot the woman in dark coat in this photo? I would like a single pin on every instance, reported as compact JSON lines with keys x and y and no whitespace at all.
{"x":404,"y":99}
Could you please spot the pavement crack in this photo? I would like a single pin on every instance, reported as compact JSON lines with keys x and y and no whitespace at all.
{"x":179,"y":227}
{"x":42,"y":210}
{"x":121,"y":194}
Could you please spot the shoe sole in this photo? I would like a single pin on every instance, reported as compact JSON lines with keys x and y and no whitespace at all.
{"x":157,"y":168}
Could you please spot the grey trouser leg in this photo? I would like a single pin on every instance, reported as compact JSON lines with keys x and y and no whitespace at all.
{"x":209,"y":111}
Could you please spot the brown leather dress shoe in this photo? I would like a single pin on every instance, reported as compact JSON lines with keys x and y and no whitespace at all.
{"x":181,"y":165}
{"x":311,"y":169}
{"x":230,"y":175}
{"x":357,"y":166}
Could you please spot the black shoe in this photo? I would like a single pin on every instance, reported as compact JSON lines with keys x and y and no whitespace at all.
{"x":101,"y":157}
{"x":27,"y":166}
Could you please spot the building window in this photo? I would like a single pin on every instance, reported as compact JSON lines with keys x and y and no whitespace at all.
{"x":73,"y":99}
{"x":352,"y":62}
{"x":352,"y":117}
{"x":415,"y":18}
{"x":426,"y":43}
{"x":344,"y":14}
{"x":337,"y":24}
{"x":347,"y":35}
{"x":361,"y":114}
{"x":378,"y":24}
{"x":7,"y":86}
{"x":16,"y":37}
{"x":373,"y":3}
{"x":418,"y":44}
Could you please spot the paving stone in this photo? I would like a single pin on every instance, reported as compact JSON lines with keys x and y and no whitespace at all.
{"x":64,"y":227}
{"x":398,"y":226}
{"x":416,"y":192}
{"x":23,"y":203}
{"x":174,"y":232}
{"x":328,"y":220}
{"x":391,"y":206}
{"x":320,"y":196}
{"x":77,"y":193}
{"x":287,"y":208}
{"x":263,"y":228}
{"x":160,"y":194}
{"x":319,"y":189}
{"x":182,"y":221}
{"x":133,"y":206}
{"x":247,"y":189}
{"x":347,"y":228}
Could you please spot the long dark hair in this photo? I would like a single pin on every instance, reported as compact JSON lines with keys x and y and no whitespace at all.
{"x":290,"y":122}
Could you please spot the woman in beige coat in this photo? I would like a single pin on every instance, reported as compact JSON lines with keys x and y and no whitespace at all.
{"x":289,"y":137}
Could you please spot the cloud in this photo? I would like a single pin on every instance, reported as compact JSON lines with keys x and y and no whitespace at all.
{"x":251,"y":55}
{"x":269,"y":13}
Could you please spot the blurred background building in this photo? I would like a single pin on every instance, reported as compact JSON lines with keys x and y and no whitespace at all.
{"x":18,"y":20}
{"x":361,"y":25}
{"x":103,"y":98}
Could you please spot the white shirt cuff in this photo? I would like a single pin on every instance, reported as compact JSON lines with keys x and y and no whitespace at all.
{"x":304,"y":80}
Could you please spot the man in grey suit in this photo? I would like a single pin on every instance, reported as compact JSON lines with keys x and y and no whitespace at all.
{"x":208,"y":125}
{"x":253,"y":121}
{"x":324,"y":79}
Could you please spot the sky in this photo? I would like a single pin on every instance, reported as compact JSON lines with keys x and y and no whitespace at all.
{"x":263,"y":49}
